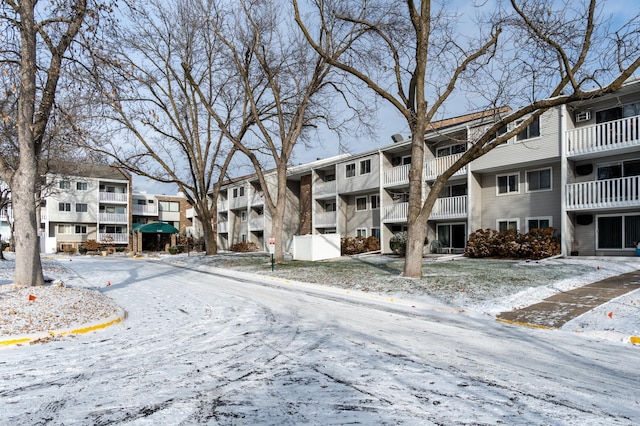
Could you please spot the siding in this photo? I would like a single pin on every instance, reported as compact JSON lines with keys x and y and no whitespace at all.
{"x":359,"y":182}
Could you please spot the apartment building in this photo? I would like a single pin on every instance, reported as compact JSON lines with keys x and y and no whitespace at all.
{"x":576,"y":169}
{"x":85,"y":202}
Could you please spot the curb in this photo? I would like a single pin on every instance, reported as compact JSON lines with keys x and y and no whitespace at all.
{"x":98,"y":325}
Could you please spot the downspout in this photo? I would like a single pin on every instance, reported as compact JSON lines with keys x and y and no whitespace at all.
{"x":564,"y":228}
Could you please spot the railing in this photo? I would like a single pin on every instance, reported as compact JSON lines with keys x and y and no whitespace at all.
{"x":190,"y":213}
{"x":437,"y":166}
{"x":325,"y":188}
{"x":257,"y":199}
{"x":114,"y":197}
{"x":621,"y":192}
{"x":145,"y":209}
{"x":223,"y":206}
{"x":399,"y":175}
{"x":325,"y":219}
{"x":395,"y":212}
{"x":256,"y":224}
{"x":113,"y":238}
{"x":223,"y":227}
{"x":113,"y":218}
{"x":604,"y":136}
{"x":449,"y":208}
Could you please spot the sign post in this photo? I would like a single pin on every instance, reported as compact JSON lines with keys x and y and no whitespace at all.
{"x":272,"y":249}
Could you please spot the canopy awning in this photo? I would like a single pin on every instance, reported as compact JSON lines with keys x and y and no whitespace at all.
{"x":155,"y":228}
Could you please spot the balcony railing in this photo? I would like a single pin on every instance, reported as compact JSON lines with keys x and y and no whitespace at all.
{"x":113,"y":218}
{"x":607,"y":136}
{"x":256,"y":224}
{"x":399,"y":175}
{"x":113,"y":238}
{"x":325,"y":188}
{"x":325,"y":219}
{"x":621,"y":192}
{"x":223,"y":206}
{"x":450,"y":208}
{"x":117,"y":197}
{"x":145,"y":209}
{"x":257,"y":199}
{"x":223,"y":227}
{"x":395,"y":212}
{"x":437,"y":166}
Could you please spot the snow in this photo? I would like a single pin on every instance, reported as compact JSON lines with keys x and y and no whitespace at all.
{"x":201,"y":348}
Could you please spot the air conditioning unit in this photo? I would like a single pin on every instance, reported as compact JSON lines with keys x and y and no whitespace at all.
{"x":583,"y":116}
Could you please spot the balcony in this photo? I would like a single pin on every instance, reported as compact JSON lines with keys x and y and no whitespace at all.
{"x":257,"y":199}
{"x":325,"y":220}
{"x":191,"y":213}
{"x":114,"y":197}
{"x":223,"y":205}
{"x":603,"y":137}
{"x":324,"y":189}
{"x":113,"y":218}
{"x":223,"y":227}
{"x":449,"y":208}
{"x":399,"y":175}
{"x":145,"y":209}
{"x":437,"y":166}
{"x":113,"y":238}
{"x":257,"y":224}
{"x":603,"y":194}
{"x":395,"y":212}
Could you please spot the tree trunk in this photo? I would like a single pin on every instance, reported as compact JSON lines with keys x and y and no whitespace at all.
{"x":27,"y":243}
{"x":276,"y":229}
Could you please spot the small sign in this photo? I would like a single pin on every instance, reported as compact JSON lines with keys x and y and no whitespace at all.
{"x":272,"y":244}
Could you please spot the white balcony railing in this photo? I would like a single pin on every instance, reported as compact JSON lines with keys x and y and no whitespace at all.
{"x":257,"y":199}
{"x":145,"y":209}
{"x":607,"y":136}
{"x":117,"y":197}
{"x":321,"y":189}
{"x":437,"y":166}
{"x":223,"y":227}
{"x":395,"y":212}
{"x":223,"y":205}
{"x":190,"y":213}
{"x":621,"y":192}
{"x":433,"y":168}
{"x":449,"y":208}
{"x":325,"y":220}
{"x":113,"y":218}
{"x":113,"y":238}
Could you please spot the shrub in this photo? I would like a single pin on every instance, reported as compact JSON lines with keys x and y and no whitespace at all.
{"x":244,"y":247}
{"x":92,"y":245}
{"x":398,"y":243}
{"x":536,"y":244}
{"x":356,"y":245}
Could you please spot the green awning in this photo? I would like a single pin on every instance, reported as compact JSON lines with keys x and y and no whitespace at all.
{"x":155,"y":228}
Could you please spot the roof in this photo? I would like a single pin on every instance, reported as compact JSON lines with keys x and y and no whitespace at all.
{"x":90,"y":170}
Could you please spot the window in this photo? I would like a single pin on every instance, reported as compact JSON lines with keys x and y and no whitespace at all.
{"x":618,"y":170}
{"x":452,"y":236}
{"x":112,"y":189}
{"x":451,"y":150}
{"x":618,"y":232}
{"x":244,"y":238}
{"x":329,"y":177}
{"x":375,"y":232}
{"x":539,"y":180}
{"x":361,"y":232}
{"x":81,"y":186}
{"x":242,"y":191}
{"x":243,"y":216}
{"x":361,"y":203}
{"x":505,"y":224}
{"x":538,"y":223}
{"x":81,"y":229}
{"x":531,"y":131}
{"x":375,"y":201}
{"x":508,"y":184}
{"x":235,"y":192}
{"x":81,"y":207}
{"x":329,"y":206}
{"x":616,"y":113}
{"x":365,"y":167}
{"x":350,"y":170}
{"x":169,"y":206}
{"x":141,"y":202}
{"x":453,"y":191}
{"x":65,"y":184}
{"x":65,"y":229}
{"x":112,"y":209}
{"x":64,"y":207}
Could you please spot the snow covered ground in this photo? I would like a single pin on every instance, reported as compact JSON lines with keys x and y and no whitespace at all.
{"x":199,"y":347}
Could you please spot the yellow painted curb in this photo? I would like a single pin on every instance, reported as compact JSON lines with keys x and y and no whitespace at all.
{"x":634,"y":340}
{"x":525,"y":324}
{"x":18,"y":340}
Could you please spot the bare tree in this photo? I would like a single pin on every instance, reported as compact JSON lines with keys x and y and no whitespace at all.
{"x":36,"y":39}
{"x":421,"y":57}
{"x":286,"y":89}
{"x":156,"y":125}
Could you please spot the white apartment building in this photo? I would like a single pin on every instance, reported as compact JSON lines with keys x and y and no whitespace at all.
{"x":576,"y":169}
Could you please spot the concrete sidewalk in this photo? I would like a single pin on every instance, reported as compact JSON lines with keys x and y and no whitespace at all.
{"x":555,"y":311}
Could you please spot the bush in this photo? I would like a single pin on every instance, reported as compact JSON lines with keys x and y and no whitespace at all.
{"x":82,"y":250}
{"x":244,"y":247}
{"x":536,"y":244}
{"x":398,"y":243}
{"x":92,"y":245}
{"x":356,"y":245}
